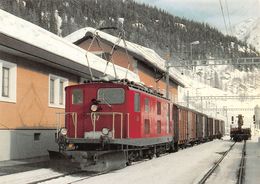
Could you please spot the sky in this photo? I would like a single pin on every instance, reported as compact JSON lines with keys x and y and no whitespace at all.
{"x":210,"y":10}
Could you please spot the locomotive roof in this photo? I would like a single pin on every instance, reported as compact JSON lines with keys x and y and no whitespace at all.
{"x":193,"y":110}
{"x":129,"y":84}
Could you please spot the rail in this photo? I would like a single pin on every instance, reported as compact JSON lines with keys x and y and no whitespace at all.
{"x":208,"y":174}
{"x":242,"y":165}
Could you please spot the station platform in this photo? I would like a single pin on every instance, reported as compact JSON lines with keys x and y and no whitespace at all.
{"x":22,"y":165}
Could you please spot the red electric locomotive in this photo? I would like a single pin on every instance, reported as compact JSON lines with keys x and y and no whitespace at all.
{"x":111,"y":124}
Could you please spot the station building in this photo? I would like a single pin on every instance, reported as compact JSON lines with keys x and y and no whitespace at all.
{"x":35,"y":68}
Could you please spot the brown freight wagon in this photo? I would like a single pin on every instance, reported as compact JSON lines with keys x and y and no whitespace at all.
{"x":200,"y":121}
{"x":222,"y":128}
{"x":216,"y":128}
{"x":175,"y":120}
{"x":205,"y":128}
{"x":210,"y":128}
{"x":191,"y":127}
{"x":183,"y":126}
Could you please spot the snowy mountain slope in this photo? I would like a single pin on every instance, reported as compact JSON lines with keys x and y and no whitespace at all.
{"x":222,"y":81}
{"x":249,"y":31}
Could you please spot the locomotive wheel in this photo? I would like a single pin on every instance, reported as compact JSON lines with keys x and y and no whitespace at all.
{"x":176,"y":147}
{"x":106,"y":162}
{"x":157,"y":154}
{"x":129,"y":162}
{"x":150,"y":156}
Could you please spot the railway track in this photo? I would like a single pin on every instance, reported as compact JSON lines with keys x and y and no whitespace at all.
{"x":56,"y":177}
{"x":241,"y":171}
{"x":72,"y":177}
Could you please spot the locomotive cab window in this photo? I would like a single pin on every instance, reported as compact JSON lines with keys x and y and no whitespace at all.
{"x":146,"y":105}
{"x":77,"y":96}
{"x":111,"y":95}
{"x":137,"y":102}
{"x":158,"y":108}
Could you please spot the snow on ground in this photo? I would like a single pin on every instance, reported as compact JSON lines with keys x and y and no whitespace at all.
{"x":66,"y":179}
{"x":225,"y":173}
{"x":253,"y":161}
{"x":28,"y":177}
{"x":185,"y":166}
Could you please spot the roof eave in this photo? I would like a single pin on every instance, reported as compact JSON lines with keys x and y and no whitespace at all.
{"x":16,"y":47}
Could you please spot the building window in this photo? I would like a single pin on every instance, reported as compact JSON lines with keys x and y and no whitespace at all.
{"x":159,"y":125}
{"x":158,"y":108}
{"x":37,"y":136}
{"x":146,"y":126}
{"x":61,"y":96}
{"x":7,"y":81}
{"x":57,"y":91}
{"x":146,"y":105}
{"x":52,"y":91}
{"x":137,"y":102}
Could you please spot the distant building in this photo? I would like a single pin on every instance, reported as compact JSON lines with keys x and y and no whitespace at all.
{"x":141,"y":60}
{"x":35,"y":67}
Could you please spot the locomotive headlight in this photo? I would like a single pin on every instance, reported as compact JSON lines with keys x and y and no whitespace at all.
{"x":94,"y":107}
{"x":63,"y":131}
{"x":105,"y":131}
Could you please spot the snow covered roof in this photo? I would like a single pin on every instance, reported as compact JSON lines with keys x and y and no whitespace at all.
{"x":146,"y":53}
{"x":34,"y":35}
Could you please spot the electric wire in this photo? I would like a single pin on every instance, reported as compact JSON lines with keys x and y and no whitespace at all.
{"x":230,"y":27}
{"x":223,"y":15}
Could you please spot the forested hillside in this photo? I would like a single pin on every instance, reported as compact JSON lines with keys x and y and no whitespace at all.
{"x":144,"y":25}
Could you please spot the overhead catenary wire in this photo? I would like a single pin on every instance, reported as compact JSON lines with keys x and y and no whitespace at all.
{"x":230,"y":25}
{"x":95,"y":37}
{"x":223,"y":15}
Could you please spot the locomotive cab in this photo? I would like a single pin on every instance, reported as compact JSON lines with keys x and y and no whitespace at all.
{"x":101,"y":111}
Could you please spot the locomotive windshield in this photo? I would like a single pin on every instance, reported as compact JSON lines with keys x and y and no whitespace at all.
{"x":111,"y":95}
{"x":77,"y":96}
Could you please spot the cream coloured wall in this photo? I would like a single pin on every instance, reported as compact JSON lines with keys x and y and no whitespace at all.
{"x":31,"y":109}
{"x":30,"y":114}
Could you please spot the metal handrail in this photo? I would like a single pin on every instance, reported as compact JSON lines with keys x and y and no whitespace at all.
{"x":74,"y":116}
{"x":95,"y":115}
{"x":128,"y":128}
